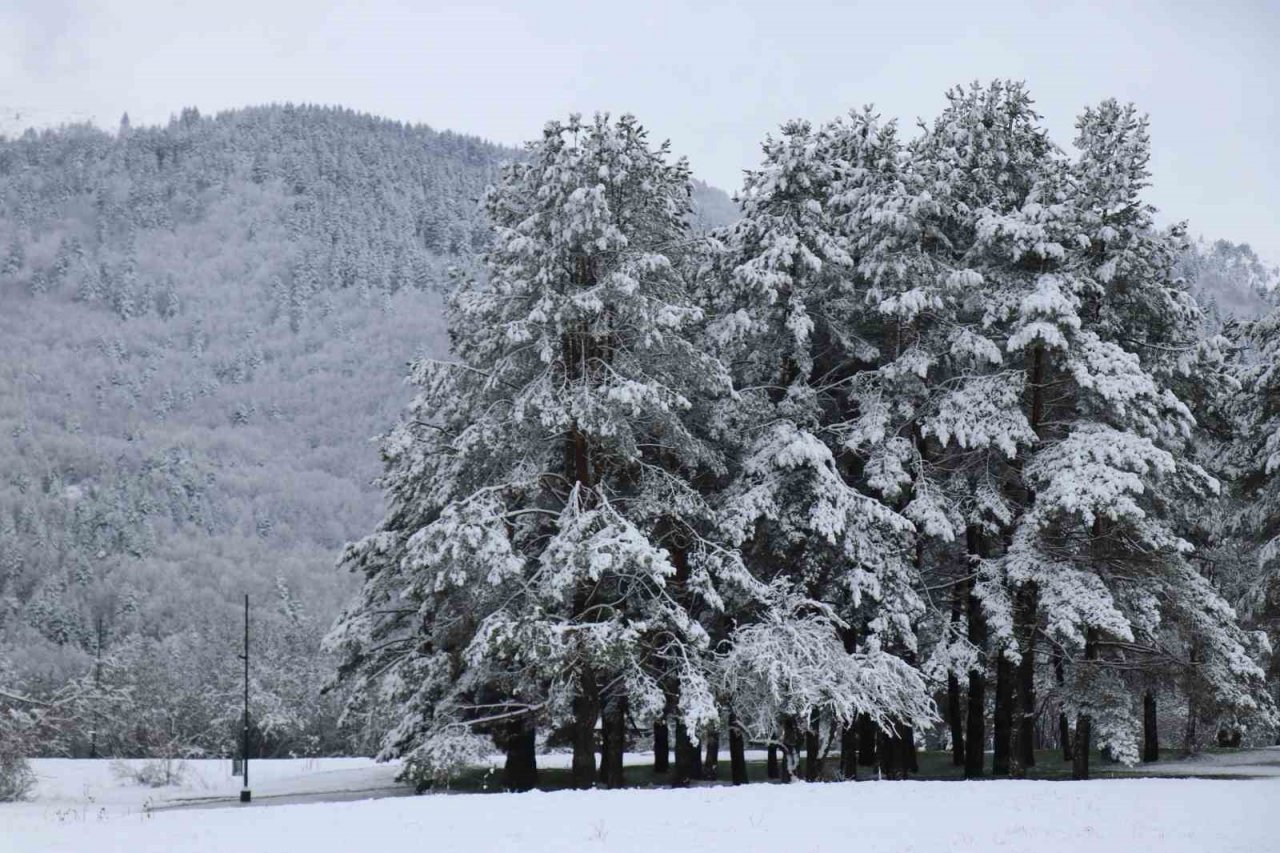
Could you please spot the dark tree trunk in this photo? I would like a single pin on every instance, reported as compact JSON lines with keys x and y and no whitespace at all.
{"x":1150,"y":736}
{"x":790,"y":748}
{"x":688,"y":758}
{"x":1064,"y":722}
{"x":1084,"y":723}
{"x":1024,"y":721}
{"x":975,"y":740}
{"x":711,"y":765}
{"x":887,"y":753}
{"x":897,"y":753}
{"x":737,"y":753}
{"x":912,"y":757}
{"x":520,"y":773}
{"x":586,"y":710}
{"x":772,"y":770}
{"x":955,"y":719}
{"x":1080,"y":759}
{"x":661,"y":747}
{"x":812,"y":748}
{"x":1002,"y":719}
{"x":975,"y":723}
{"x":849,"y":752}
{"x":614,"y":742}
{"x":955,"y":713}
{"x":868,"y":734}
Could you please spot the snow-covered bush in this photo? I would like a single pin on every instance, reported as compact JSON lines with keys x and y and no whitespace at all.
{"x":16,"y":778}
{"x":153,"y":772}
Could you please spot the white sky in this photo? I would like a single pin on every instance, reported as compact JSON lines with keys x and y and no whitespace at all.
{"x":712,"y":77}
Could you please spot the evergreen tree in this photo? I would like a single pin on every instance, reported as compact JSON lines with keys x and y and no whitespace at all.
{"x":790,"y":315}
{"x":545,"y":528}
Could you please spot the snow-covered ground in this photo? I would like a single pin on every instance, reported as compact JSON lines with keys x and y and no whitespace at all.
{"x":93,"y":787}
{"x":80,"y":806}
{"x":1126,"y":816}
{"x":70,"y":788}
{"x":1245,"y":762}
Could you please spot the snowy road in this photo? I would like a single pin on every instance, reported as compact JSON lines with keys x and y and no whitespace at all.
{"x":1246,"y":762}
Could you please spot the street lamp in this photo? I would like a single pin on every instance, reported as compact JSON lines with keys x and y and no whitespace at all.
{"x":245,"y":794}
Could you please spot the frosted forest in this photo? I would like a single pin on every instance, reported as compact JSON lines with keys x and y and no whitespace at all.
{"x":929,"y":440}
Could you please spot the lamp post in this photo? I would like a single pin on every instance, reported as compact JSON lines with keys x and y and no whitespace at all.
{"x":245,"y":795}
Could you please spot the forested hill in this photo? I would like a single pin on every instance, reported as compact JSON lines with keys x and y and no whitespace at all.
{"x":203,"y":326}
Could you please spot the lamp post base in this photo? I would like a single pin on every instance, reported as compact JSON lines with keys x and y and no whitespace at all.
{"x":245,"y":795}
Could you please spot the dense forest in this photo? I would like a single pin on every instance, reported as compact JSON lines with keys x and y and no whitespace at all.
{"x":205,"y":326}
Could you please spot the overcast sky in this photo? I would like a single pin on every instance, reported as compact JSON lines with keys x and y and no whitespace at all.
{"x":712,"y":77}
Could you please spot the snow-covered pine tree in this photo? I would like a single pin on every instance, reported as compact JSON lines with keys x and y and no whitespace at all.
{"x":1255,"y":469}
{"x":1098,"y":558}
{"x":949,"y":283}
{"x":545,"y":545}
{"x":790,"y":316}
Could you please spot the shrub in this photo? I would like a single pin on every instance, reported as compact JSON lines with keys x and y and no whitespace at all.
{"x":154,"y":773}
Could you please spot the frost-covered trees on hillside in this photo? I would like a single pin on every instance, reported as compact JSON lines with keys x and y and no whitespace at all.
{"x":1229,"y":280}
{"x":202,"y":326}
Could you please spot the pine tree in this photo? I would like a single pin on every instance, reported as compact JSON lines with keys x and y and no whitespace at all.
{"x":544,"y":523}
{"x":789,"y":314}
{"x":1252,"y":511}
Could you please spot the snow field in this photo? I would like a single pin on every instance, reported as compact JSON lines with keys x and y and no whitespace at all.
{"x":1124,"y":816}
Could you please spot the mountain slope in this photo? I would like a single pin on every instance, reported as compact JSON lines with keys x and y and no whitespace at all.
{"x":203,"y":327}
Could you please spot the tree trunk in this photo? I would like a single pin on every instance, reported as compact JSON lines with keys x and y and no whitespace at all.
{"x":897,"y":753}
{"x":887,"y":754}
{"x":1150,"y":736}
{"x":1002,"y":719}
{"x":614,"y":742}
{"x":955,"y":714}
{"x":1064,"y":723}
{"x":711,"y":765}
{"x":1080,"y":761}
{"x":737,"y":753}
{"x":520,"y":773}
{"x":1024,"y":720}
{"x":790,"y":745}
{"x":1084,"y":723}
{"x":867,"y":736}
{"x":661,"y":746}
{"x":586,"y":710}
{"x":849,"y":752}
{"x":772,"y":768}
{"x":812,"y":748}
{"x":688,"y":758}
{"x":975,"y":734}
{"x":955,"y":719}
